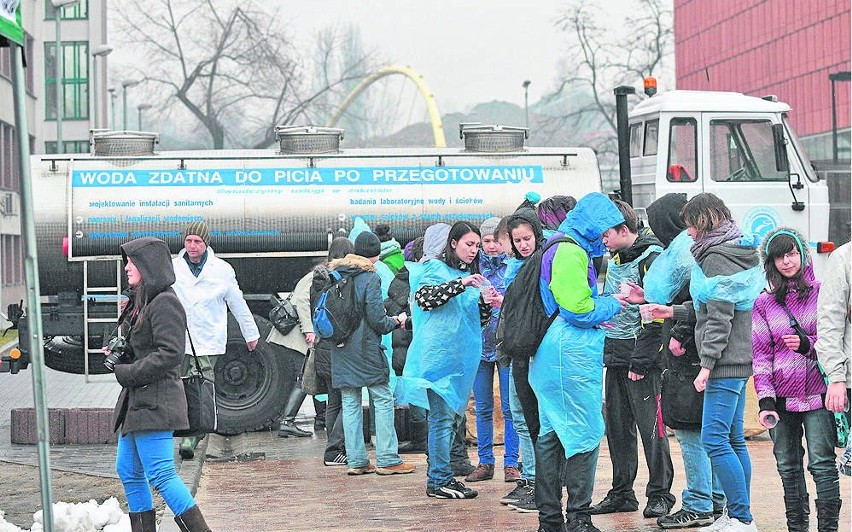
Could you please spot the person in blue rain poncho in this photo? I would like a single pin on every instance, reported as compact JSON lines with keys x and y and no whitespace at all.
{"x":566,"y":372}
{"x":444,"y":354}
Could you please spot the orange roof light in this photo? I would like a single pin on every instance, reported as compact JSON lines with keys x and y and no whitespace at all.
{"x":650,"y":84}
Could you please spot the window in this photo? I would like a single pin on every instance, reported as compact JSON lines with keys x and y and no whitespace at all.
{"x":651,"y":133}
{"x":9,"y":168}
{"x":12,"y":255}
{"x":77,"y":11}
{"x":70,"y":146}
{"x":683,"y":151}
{"x":636,"y":139}
{"x":75,"y":80}
{"x":6,"y":62}
{"x":743,"y":150}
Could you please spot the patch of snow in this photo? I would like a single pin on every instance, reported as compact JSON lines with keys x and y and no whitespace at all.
{"x":78,"y":517}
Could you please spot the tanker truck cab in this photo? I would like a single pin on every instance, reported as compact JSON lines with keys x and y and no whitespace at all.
{"x":740,"y":148}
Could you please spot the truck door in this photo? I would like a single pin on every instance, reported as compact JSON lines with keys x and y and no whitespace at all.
{"x":678,"y":170}
{"x":739,"y":158}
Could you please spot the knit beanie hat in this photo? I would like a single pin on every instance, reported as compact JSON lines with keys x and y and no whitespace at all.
{"x":199,"y":229}
{"x":367,"y":245}
{"x":489,"y":226}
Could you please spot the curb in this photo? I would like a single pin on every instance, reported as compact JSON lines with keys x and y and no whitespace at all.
{"x":190,"y":472}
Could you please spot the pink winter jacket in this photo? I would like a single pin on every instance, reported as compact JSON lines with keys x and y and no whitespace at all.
{"x":778,"y":370}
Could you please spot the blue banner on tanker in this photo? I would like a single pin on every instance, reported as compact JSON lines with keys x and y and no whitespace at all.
{"x":231,"y":177}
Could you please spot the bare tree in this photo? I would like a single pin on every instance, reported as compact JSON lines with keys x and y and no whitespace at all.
{"x":232,"y":67}
{"x":598,"y":60}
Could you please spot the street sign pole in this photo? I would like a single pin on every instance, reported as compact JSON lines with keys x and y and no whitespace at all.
{"x":31,"y":270}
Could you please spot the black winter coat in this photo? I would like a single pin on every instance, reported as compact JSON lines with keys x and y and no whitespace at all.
{"x":397,"y":302}
{"x":361,"y":360}
{"x":152,"y":396}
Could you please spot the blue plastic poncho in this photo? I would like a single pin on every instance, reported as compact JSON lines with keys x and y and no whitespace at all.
{"x":670,"y":271}
{"x":741,"y":288}
{"x":566,"y":372}
{"x":445,"y":351}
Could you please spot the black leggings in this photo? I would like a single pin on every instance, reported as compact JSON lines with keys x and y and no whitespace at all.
{"x":529,"y":402}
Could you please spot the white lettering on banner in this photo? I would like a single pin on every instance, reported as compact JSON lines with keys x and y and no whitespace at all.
{"x":262,"y":177}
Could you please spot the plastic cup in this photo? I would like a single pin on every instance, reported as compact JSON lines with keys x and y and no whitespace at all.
{"x":646,"y":312}
{"x":624,"y":288}
{"x":485,"y":290}
{"x":771,"y":421}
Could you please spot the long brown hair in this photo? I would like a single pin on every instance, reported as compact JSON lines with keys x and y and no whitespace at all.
{"x":779,"y":286}
{"x":705,"y":212}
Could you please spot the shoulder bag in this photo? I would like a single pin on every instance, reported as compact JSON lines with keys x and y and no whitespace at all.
{"x":200,"y":391}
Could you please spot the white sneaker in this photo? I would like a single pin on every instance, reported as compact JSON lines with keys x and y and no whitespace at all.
{"x":719,"y":524}
{"x":735,"y":525}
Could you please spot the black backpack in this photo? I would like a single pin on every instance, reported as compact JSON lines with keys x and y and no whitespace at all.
{"x":337,"y":313}
{"x":523,"y":320}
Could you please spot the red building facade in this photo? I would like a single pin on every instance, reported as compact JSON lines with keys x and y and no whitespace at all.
{"x":783,"y":47}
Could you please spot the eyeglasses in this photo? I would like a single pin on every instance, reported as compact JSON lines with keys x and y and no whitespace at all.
{"x":792,"y":256}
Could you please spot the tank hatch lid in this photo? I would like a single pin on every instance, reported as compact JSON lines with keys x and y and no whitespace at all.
{"x":105,"y":143}
{"x":308,"y":139}
{"x":492,"y":138}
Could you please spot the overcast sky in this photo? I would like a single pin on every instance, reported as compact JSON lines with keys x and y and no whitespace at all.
{"x":468,"y":51}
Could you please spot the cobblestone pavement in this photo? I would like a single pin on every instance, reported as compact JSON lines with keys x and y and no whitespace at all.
{"x":292,"y":490}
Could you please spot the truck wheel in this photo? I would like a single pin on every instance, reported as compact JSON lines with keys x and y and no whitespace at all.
{"x":251,"y":388}
{"x":65,"y":353}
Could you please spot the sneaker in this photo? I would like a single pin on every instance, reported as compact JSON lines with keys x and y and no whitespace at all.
{"x":511,"y":474}
{"x":399,"y":469}
{"x":338,"y":460}
{"x":721,"y":522}
{"x":581,"y":525}
{"x":612,"y":504}
{"x":526,"y":504}
{"x":685,"y":519}
{"x":517,"y":493}
{"x":657,"y":507}
{"x":461,"y":469}
{"x":719,"y":511}
{"x":363,"y":470}
{"x":735,"y":525}
{"x":482,"y":472}
{"x":452,"y":490}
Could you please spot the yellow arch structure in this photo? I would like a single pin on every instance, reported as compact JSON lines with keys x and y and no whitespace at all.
{"x":431,"y":106}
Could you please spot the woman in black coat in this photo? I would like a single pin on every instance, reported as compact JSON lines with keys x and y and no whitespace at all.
{"x":152,"y":404}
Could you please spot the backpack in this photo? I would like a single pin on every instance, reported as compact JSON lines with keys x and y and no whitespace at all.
{"x":337,"y":313}
{"x":523,"y":320}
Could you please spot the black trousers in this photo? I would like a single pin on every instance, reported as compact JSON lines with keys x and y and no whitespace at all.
{"x":553,"y":470}
{"x":631,"y":405}
{"x":333,"y":420}
{"x":526,"y":396}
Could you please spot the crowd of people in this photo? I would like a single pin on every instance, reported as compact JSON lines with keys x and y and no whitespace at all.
{"x":689,"y":309}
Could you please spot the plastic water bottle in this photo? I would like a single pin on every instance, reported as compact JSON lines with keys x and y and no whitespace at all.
{"x":485,"y":290}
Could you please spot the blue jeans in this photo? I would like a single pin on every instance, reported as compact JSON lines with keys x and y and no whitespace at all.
{"x":703,"y":491}
{"x":818,"y":429}
{"x":483,"y":396}
{"x":520,"y":423}
{"x":148,"y":457}
{"x":353,"y":427}
{"x":723,"y":439}
{"x":442,"y":425}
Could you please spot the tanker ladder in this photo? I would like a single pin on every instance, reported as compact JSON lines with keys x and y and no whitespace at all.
{"x":91,"y":293}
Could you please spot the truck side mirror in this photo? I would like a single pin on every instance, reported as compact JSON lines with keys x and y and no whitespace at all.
{"x":781,"y":162}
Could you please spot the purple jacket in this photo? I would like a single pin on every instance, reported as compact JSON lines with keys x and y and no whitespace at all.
{"x":778,"y":370}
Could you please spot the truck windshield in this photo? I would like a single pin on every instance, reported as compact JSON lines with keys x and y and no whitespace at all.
{"x":799,"y":151}
{"x":743,"y":150}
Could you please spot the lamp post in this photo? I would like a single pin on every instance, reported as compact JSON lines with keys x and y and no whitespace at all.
{"x":526,"y":86}
{"x":844,"y":75}
{"x":101,"y":50}
{"x":142,"y":107}
{"x":59,"y":60}
{"x":126,"y":84}
{"x":112,"y":98}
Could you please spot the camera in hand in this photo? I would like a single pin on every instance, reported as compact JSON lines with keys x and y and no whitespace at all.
{"x":116,"y":349}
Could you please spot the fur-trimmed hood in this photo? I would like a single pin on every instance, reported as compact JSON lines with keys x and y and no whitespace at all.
{"x":805,"y":250}
{"x":352,"y":261}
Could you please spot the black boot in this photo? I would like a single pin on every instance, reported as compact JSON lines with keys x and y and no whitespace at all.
{"x":192,"y":521}
{"x":828,"y":514}
{"x":418,"y":432}
{"x":143,"y":521}
{"x":797,"y":519}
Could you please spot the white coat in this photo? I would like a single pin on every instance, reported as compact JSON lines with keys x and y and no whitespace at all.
{"x":207,"y":299}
